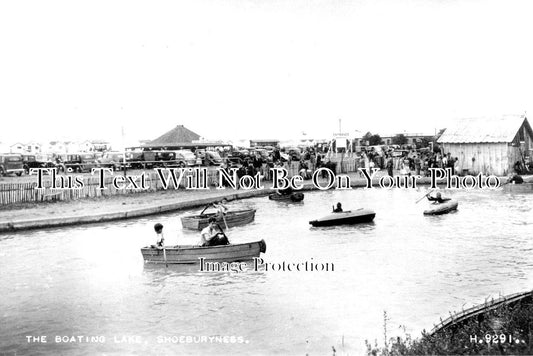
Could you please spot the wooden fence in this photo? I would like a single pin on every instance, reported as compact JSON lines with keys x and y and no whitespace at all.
{"x":465,"y":315}
{"x":13,"y":193}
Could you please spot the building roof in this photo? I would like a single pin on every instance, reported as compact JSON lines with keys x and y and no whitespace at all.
{"x":265,"y":140}
{"x":202,"y":144}
{"x":178,"y":135}
{"x":390,"y":135}
{"x":483,"y":130}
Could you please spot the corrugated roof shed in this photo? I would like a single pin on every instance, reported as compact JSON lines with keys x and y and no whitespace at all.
{"x":177,"y":135}
{"x":483,"y":130}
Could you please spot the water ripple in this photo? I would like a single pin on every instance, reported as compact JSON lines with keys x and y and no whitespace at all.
{"x":91,"y":279}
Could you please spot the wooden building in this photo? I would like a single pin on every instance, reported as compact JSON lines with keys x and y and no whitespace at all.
{"x":180,"y":138}
{"x":489,"y":145}
{"x":263,"y":143}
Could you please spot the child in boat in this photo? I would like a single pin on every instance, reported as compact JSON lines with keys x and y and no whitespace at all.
{"x":439,"y":199}
{"x":338,"y":209}
{"x":160,"y":242}
{"x":211,"y":235}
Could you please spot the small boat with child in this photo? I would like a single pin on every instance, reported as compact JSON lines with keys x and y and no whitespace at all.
{"x":190,"y":254}
{"x":230,"y":219}
{"x":442,"y":208}
{"x":349,"y":217}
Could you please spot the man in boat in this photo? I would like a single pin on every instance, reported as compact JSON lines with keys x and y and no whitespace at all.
{"x":516,"y":179}
{"x":160,"y":242}
{"x":212,"y":235}
{"x":221,"y":208}
{"x":338,"y":209}
{"x":286,"y":191}
{"x":439,"y":199}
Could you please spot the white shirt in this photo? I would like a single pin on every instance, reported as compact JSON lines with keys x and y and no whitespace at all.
{"x":206,"y":235}
{"x":221,"y":208}
{"x":160,"y":240}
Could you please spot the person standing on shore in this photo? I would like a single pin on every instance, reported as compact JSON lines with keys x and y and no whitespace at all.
{"x":456,"y":166}
{"x":418,"y":164}
{"x":390,"y":165}
{"x":318,"y":161}
{"x":450,"y":163}
{"x":312,"y":161}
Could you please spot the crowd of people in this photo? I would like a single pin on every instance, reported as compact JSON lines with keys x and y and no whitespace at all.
{"x":416,"y":162}
{"x":392,"y":161}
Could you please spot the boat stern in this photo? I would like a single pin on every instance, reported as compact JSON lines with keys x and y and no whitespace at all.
{"x":262,"y":246}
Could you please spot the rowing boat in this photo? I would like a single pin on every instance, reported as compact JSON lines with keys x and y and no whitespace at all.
{"x":231,"y":218}
{"x":441,"y":208}
{"x":518,"y":188}
{"x":189,"y":254}
{"x":345,"y":217}
{"x":294,"y":197}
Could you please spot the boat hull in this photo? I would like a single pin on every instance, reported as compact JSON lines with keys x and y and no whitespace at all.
{"x":519,"y":188}
{"x":187,"y":254}
{"x":345,"y":218}
{"x":232,"y":218}
{"x":442,"y":208}
{"x":294,"y":197}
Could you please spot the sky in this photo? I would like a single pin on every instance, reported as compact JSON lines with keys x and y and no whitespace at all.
{"x":250,"y":69}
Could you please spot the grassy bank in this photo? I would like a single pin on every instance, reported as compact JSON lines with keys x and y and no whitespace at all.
{"x":506,"y":330}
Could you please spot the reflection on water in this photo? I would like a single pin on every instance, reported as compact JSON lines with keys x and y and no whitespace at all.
{"x":91,"y":280}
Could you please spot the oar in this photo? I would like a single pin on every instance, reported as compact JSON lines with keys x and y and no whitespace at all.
{"x":207,"y":206}
{"x":164,"y":249}
{"x":424,"y":196}
{"x":165,"y":255}
{"x":225,"y":223}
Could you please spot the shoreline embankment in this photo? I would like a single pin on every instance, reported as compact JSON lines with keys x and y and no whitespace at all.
{"x":139,"y":205}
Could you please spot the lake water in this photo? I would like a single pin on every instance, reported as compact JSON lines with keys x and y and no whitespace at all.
{"x":91,"y":281}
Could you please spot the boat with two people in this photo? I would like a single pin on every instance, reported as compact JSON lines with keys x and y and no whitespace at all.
{"x":225,"y":217}
{"x":217,"y":249}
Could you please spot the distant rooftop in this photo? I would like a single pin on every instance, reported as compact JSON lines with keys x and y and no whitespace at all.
{"x":178,"y":135}
{"x":484,"y":129}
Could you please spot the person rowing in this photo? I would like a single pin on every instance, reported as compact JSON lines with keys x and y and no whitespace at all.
{"x":286,"y":191}
{"x":438,"y":198}
{"x":221,"y":207}
{"x":222,"y":210}
{"x":212,"y":235}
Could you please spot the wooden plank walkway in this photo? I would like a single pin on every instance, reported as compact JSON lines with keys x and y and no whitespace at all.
{"x":480,"y":309}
